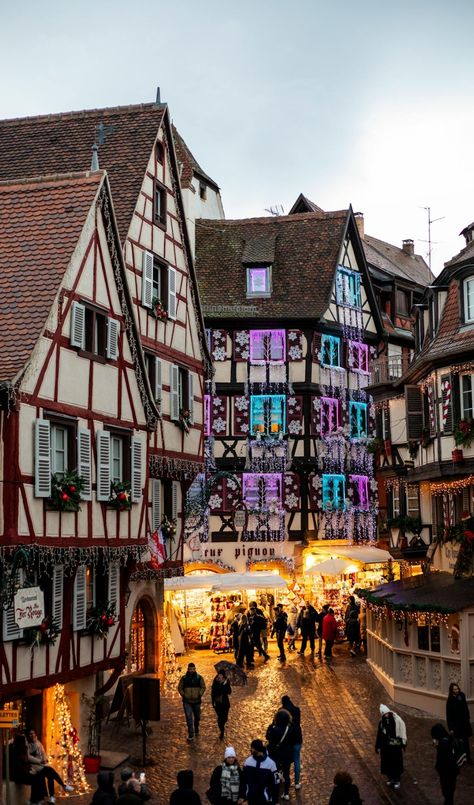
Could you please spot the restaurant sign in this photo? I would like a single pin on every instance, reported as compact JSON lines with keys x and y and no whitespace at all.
{"x":29,"y":607}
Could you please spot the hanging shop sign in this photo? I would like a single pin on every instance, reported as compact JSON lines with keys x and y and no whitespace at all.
{"x":29,"y":607}
{"x":9,"y":718}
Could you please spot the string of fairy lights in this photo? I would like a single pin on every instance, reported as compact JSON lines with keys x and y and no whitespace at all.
{"x":65,"y":746}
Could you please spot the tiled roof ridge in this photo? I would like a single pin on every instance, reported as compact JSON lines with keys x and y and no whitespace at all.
{"x":369,"y":239}
{"x":266,"y":219}
{"x":188,"y":154}
{"x":51,"y":179}
{"x":106,"y":110}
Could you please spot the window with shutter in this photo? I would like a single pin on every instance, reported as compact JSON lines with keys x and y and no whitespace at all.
{"x":113,"y":587}
{"x":136,"y":469}
{"x":334,"y":492}
{"x":329,"y":415}
{"x":10,"y":629}
{"x":174,"y":499}
{"x":147,"y":279}
{"x":414,"y":412}
{"x":103,"y":465}
{"x":330,"y":350}
{"x":174,"y":392}
{"x":358,"y":420}
{"x":260,"y":491}
{"x":42,"y":459}
{"x":57,"y":597}
{"x":447,"y":403}
{"x":267,"y":346}
{"x":155,"y":504}
{"x":172,"y":291}
{"x":78,"y":325}
{"x":191,"y":397}
{"x":113,"y":330}
{"x":84,"y":463}
{"x":79,"y":608}
{"x":267,"y":413}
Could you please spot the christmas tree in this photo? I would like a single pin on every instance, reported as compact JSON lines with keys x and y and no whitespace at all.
{"x":65,"y":747}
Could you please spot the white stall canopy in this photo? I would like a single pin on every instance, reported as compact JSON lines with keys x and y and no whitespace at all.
{"x":331,"y":567}
{"x":225,"y":581}
{"x":365,"y":554}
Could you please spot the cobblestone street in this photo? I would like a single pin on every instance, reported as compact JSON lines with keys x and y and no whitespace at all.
{"x":339,"y":704}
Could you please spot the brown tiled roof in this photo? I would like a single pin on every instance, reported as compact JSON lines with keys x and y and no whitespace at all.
{"x":59,"y":143}
{"x":467,"y":253}
{"x":40,"y":223}
{"x":394,"y":261}
{"x":307,"y":248}
{"x":188,"y":164}
{"x":304,"y":204}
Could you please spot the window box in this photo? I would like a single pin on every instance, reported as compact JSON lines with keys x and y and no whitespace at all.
{"x":120,"y":496}
{"x":66,"y":489}
{"x":159,"y":309}
{"x":102,"y":617}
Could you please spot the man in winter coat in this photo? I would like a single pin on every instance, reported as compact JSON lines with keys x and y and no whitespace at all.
{"x":191,"y":688}
{"x":321,"y":616}
{"x":329,"y":632}
{"x":353,"y":631}
{"x":458,"y":717}
{"x":307,"y":623}
{"x":446,"y":765}
{"x":259,"y":780}
{"x":185,"y":794}
{"x":280,"y":745}
{"x":258,"y":623}
{"x":280,"y":625}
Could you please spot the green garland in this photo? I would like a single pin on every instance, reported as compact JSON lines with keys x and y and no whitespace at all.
{"x":102,"y":617}
{"x":120,"y":497}
{"x":45,"y":634}
{"x":378,"y":601}
{"x":66,"y":491}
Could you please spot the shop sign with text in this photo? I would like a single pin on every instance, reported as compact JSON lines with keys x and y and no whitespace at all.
{"x":29,"y":607}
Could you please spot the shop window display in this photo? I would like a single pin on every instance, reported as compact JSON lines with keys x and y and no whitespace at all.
{"x":222,"y":610}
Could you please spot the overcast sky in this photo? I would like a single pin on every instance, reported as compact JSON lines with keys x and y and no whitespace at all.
{"x":366,"y":102}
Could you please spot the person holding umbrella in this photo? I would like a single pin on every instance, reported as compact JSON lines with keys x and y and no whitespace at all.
{"x":220,"y":692}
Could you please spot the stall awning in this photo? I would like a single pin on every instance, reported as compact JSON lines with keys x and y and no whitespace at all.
{"x":366,"y":554}
{"x":225,"y":581}
{"x":436,"y":592}
{"x":331,"y":567}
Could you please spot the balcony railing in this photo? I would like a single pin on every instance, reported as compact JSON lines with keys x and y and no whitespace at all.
{"x":386,"y":370}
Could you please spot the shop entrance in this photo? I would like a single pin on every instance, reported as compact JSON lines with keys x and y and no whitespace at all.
{"x":143,"y":653}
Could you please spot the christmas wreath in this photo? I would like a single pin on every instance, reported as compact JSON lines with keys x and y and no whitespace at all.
{"x":102,"y":617}
{"x":45,"y":634}
{"x":168,"y":528}
{"x":464,"y":432}
{"x":159,"y":309}
{"x":185,"y":420}
{"x":66,"y":491}
{"x":120,"y":498}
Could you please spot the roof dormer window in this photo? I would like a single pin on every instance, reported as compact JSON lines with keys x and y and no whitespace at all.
{"x":259,"y":280}
{"x":469,"y":300}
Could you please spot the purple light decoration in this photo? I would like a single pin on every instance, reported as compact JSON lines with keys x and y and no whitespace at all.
{"x":360,"y":356}
{"x":207,"y":414}
{"x":257,"y":280}
{"x":362,"y":490}
{"x":329,"y":415}
{"x":267,"y":346}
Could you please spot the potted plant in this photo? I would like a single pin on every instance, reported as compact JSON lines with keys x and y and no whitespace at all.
{"x":464,"y":432}
{"x":159,"y":309}
{"x":93,"y":722}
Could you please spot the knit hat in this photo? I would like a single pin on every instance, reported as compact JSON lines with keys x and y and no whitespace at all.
{"x":229,"y":752}
{"x":384,"y":710}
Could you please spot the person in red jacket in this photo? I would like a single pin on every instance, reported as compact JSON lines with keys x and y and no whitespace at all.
{"x":329,"y":632}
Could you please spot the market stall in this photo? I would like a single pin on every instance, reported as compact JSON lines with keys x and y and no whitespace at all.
{"x":202,"y":605}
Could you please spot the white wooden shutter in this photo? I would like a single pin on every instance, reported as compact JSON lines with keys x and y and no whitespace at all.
{"x":58,"y":589}
{"x":113,"y":330}
{"x":174,"y":500}
{"x":10,"y":630}
{"x":147,"y":279}
{"x":191,"y":396}
{"x":136,"y":466}
{"x":158,"y":383}
{"x":42,"y":458}
{"x":79,"y":603}
{"x":103,"y":465}
{"x":174,"y":391}
{"x":113,"y":592}
{"x":78,"y":325}
{"x":172,"y":301}
{"x":155,"y":504}
{"x":84,"y":461}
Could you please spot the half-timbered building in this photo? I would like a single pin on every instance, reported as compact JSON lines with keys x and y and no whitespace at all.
{"x":291,"y":317}
{"x":76,"y":411}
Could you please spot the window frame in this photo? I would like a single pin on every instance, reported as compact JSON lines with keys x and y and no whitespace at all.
{"x":331,"y":339}
{"x":126,"y":438}
{"x":331,"y":403}
{"x":468,"y":319}
{"x":159,"y":190}
{"x":253,"y":294}
{"x":344,"y":290}
{"x":93,"y":350}
{"x":70,"y":425}
{"x":356,"y":479}
{"x":271,"y":361}
{"x":269,"y":490}
{"x":467,"y":412}
{"x":358,"y":406}
{"x":328,"y":478}
{"x":268,"y":416}
{"x":407,"y":297}
{"x":358,"y":348}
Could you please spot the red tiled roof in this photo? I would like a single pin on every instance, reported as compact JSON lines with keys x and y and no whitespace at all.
{"x":41,"y":220}
{"x":59,"y":143}
{"x":306,"y":250}
{"x":188,"y":164}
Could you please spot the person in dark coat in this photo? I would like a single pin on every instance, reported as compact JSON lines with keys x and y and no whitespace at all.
{"x":234,"y":631}
{"x":259,"y":778}
{"x":245,"y":643}
{"x":353,"y":631}
{"x":258,"y":624}
{"x":280,"y":745}
{"x":297,"y":733}
{"x":307,"y":624}
{"x":445,"y":765}
{"x":20,"y":769}
{"x":185,"y":794}
{"x":391,"y":742}
{"x":280,"y":625}
{"x":220,"y":692}
{"x":351,"y":607}
{"x":225,"y":780}
{"x":105,"y":791}
{"x":458,"y":717}
{"x":344,"y":791}
{"x":130,"y":785}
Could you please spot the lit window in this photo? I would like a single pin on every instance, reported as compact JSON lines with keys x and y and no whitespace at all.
{"x":261,"y":492}
{"x":329,"y":415}
{"x":395,"y":501}
{"x":360,"y":486}
{"x":469,"y":300}
{"x":116,"y":459}
{"x":267,"y":346}
{"x":348,"y":287}
{"x":334,"y":491}
{"x":413,"y":501}
{"x":330,"y":350}
{"x":358,"y":420}
{"x":467,"y":387}
{"x":267,"y":414}
{"x":359,"y":357}
{"x":259,"y":281}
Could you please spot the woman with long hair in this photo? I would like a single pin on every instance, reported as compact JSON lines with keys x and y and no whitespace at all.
{"x":220,"y":692}
{"x":458,"y":717}
{"x":280,"y":737}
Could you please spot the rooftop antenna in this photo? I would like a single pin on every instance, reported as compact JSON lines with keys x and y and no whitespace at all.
{"x":429,"y":241}
{"x":277,"y":209}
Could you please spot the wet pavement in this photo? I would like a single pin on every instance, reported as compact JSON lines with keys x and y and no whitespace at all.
{"x":339,"y":704}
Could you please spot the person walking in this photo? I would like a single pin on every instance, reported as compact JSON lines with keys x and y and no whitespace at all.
{"x":297,"y":734}
{"x":329,"y":632}
{"x":353,"y":631}
{"x":391,"y":742}
{"x":245,"y":644}
{"x":351,"y":607}
{"x":185,"y":794}
{"x":224,"y":785}
{"x":344,"y":791}
{"x":105,"y":792}
{"x":258,"y":623}
{"x":259,"y":779}
{"x":191,"y":688}
{"x":445,"y":765}
{"x":38,"y":761}
{"x":234,"y":631}
{"x":307,"y":624}
{"x":321,"y":616}
{"x":220,"y":692}
{"x":292,"y":628}
{"x":280,"y":746}
{"x":280,"y":625}
{"x":363,"y":629}
{"x":458,"y":717}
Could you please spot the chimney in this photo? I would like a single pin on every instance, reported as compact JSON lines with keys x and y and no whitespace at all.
{"x":359,"y":217}
{"x":408,"y":247}
{"x":95,"y":158}
{"x":158,"y":96}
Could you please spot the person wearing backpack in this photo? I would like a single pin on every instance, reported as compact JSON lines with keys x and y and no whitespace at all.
{"x":280,"y":737}
{"x":344,"y":791}
{"x":224,"y":785}
{"x":458,"y":717}
{"x":445,"y":765}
